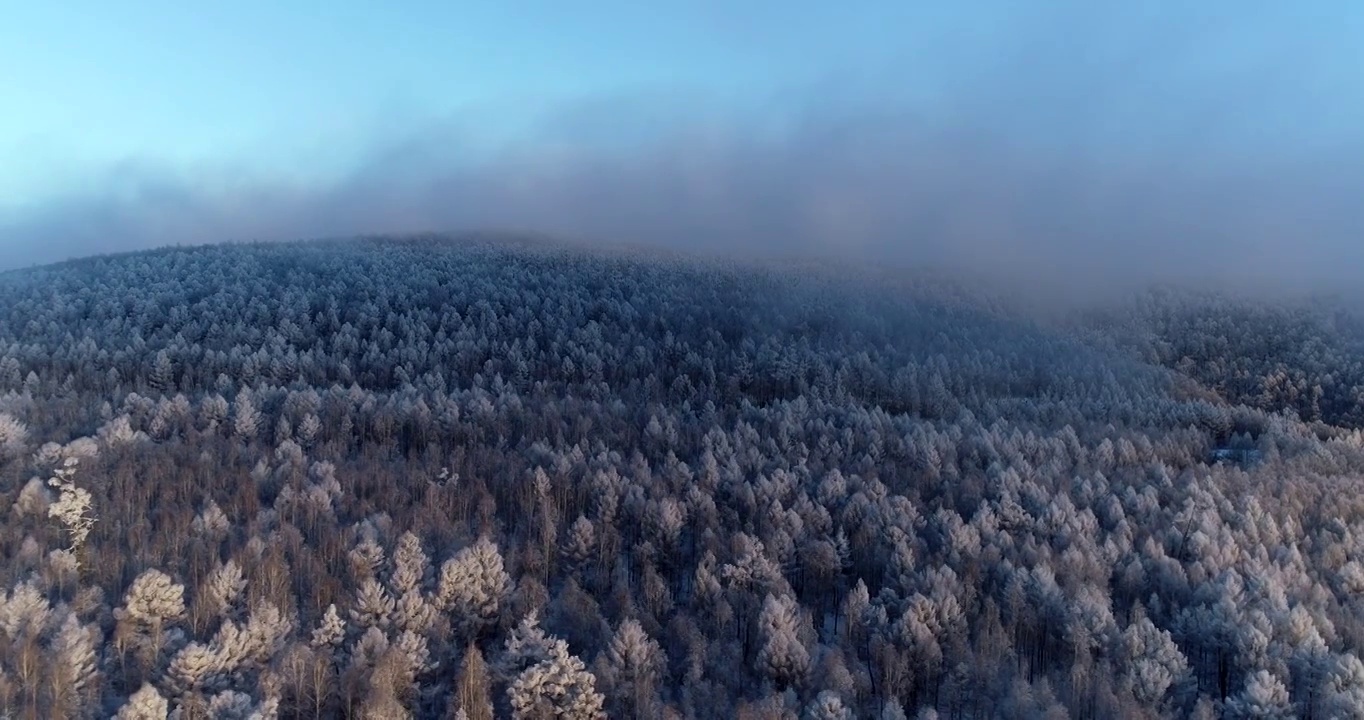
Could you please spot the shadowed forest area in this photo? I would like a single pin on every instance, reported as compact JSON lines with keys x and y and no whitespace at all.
{"x":429,"y":478}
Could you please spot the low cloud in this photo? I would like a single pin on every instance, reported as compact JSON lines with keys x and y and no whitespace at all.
{"x":1034,"y":167}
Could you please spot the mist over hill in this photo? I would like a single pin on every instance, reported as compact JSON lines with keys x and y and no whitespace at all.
{"x":476,"y":477}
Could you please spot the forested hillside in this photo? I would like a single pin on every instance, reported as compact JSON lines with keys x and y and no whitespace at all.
{"x":1303,"y":354}
{"x":470,"y":479}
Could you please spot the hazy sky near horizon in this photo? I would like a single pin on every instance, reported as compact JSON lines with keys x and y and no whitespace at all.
{"x":1154,"y":139}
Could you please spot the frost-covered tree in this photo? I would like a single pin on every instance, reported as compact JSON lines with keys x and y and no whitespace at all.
{"x":211,"y":522}
{"x":373,"y":606}
{"x":222,"y":590}
{"x":412,"y":611}
{"x":546,"y":680}
{"x":366,"y":652}
{"x":411,"y":567}
{"x":330,"y":630}
{"x":246,"y":418}
{"x":580,"y":544}
{"x":1265,"y":697}
{"x":34,"y":499}
{"x":633,"y":665}
{"x":72,"y":507}
{"x":119,"y":432}
{"x":474,"y":587}
{"x":213,"y":411}
{"x":194,"y":669}
{"x":827,"y":706}
{"x":415,"y":654}
{"x":1344,"y":696}
{"x":25,"y":618}
{"x":309,"y":429}
{"x":782,"y":656}
{"x":13,"y":436}
{"x":237,"y":705}
{"x":145,"y":704}
{"x":152,"y":603}
{"x":74,"y":676}
{"x":367,"y":556}
{"x":162,"y":374}
{"x":266,"y":631}
{"x":1151,"y":662}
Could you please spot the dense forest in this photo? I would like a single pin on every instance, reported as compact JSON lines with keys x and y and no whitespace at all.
{"x":1300,"y":354}
{"x":473,"y":479}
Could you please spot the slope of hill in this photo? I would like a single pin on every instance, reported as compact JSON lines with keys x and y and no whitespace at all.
{"x":1304,"y":354}
{"x":429,"y":478}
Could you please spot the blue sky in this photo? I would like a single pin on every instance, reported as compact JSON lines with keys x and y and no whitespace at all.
{"x":139,"y":123}
{"x":252,"y":82}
